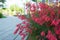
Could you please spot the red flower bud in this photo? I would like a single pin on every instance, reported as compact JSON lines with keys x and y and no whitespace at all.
{"x":17,"y":29}
{"x":42,"y":33}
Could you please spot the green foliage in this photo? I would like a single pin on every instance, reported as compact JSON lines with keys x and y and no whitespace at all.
{"x":39,"y":30}
{"x":16,"y":8}
{"x":1,"y":15}
{"x":2,"y":1}
{"x":46,"y":0}
{"x":34,"y":0}
{"x":37,"y":0}
{"x":31,"y":37}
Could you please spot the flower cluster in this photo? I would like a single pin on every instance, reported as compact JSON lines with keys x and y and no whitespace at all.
{"x":50,"y":16}
{"x":43,"y":23}
{"x":22,"y":28}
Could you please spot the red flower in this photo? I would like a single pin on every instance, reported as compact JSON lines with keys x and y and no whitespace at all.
{"x":46,"y":16}
{"x":37,"y":20}
{"x":24,"y":22}
{"x":18,"y":25}
{"x":33,"y":8}
{"x":50,"y":36}
{"x":57,"y":32}
{"x":29,"y":30}
{"x":47,"y":19}
{"x":21,"y":17}
{"x":54,"y":22}
{"x":58,"y":11}
{"x":23,"y":36}
{"x":17,"y":29}
{"x":42,"y":33}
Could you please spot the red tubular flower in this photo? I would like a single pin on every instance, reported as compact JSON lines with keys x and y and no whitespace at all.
{"x":18,"y":25}
{"x":50,"y":36}
{"x":36,"y":19}
{"x":52,"y":14}
{"x":43,"y":6}
{"x":17,"y":29}
{"x":23,"y":36}
{"x":20,"y":32}
{"x":39,"y":21}
{"x":46,"y":16}
{"x":21,"y":17}
{"x":24,"y":22}
{"x":29,"y":30}
{"x":33,"y":8}
{"x":54,"y":22}
{"x":47,"y":19}
{"x":42,"y":33}
{"x":57,"y":32}
{"x":58,"y":11}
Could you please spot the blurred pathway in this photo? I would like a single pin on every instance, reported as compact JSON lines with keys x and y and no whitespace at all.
{"x":7,"y":27}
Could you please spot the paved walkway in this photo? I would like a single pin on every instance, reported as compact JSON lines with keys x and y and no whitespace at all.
{"x":7,"y":27}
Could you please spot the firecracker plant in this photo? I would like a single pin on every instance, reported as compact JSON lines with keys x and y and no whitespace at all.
{"x":43,"y":23}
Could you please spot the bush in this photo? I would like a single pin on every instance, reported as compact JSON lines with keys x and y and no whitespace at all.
{"x":1,"y":15}
{"x":43,"y":24}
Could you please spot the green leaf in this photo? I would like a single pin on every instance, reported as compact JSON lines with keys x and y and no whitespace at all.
{"x":34,"y":0}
